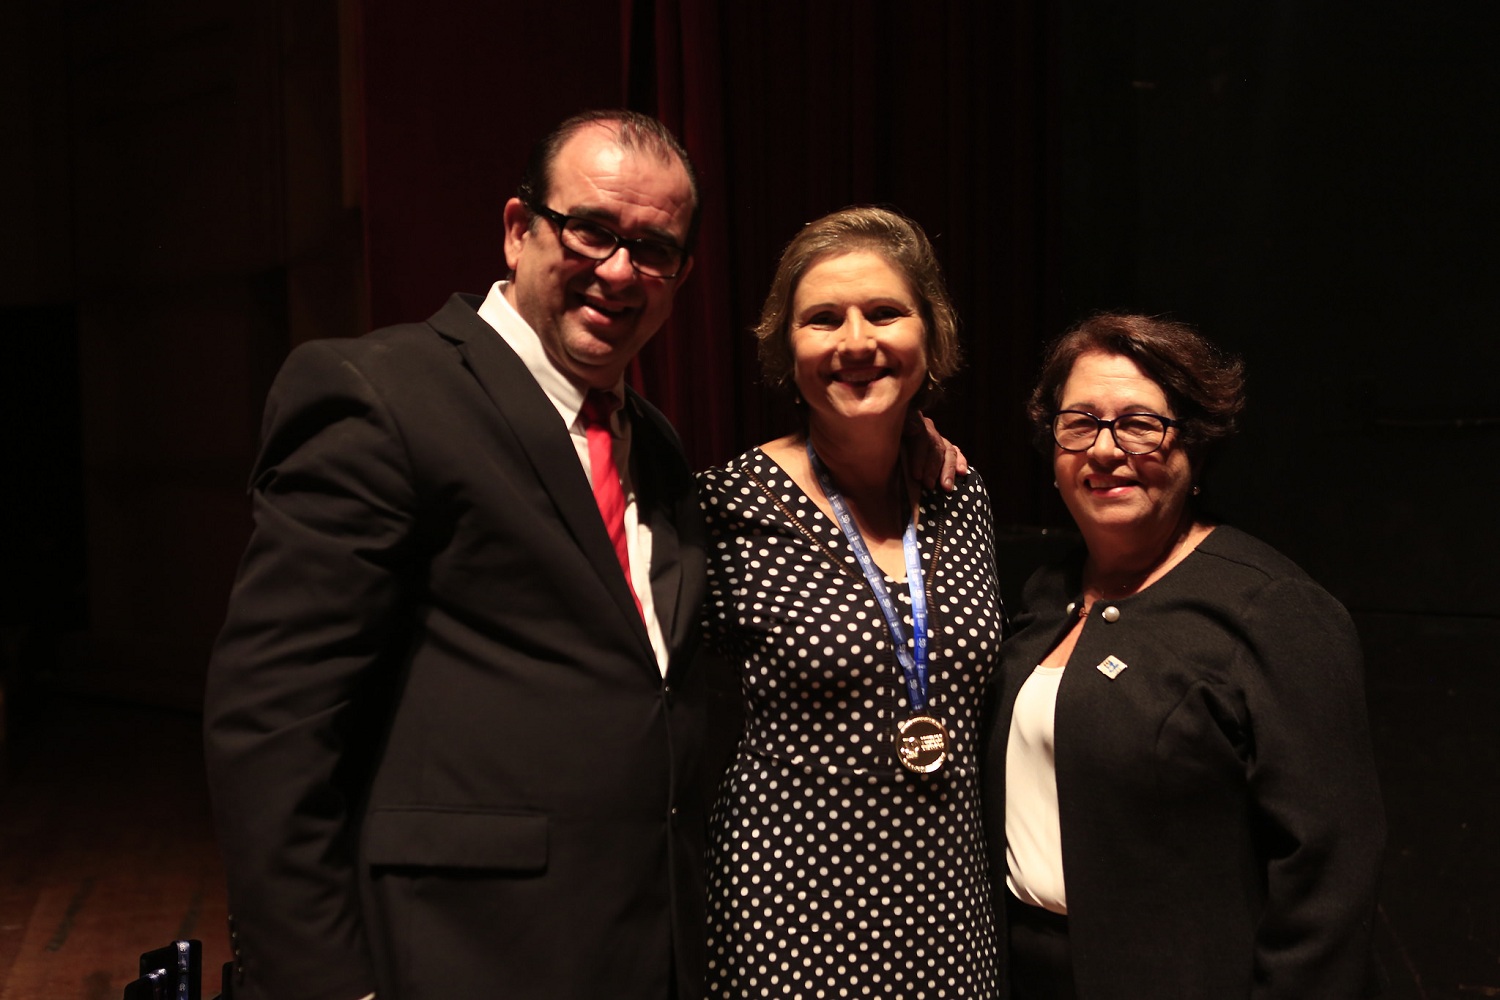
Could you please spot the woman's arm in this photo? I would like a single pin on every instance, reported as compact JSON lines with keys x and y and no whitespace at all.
{"x":1315,"y":794}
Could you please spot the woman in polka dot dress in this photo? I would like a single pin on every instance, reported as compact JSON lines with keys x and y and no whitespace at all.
{"x":847,"y":856}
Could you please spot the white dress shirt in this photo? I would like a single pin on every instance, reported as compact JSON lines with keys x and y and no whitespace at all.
{"x":568,"y":397}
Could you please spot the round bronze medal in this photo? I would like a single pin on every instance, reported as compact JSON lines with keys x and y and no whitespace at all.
{"x":921,"y":743}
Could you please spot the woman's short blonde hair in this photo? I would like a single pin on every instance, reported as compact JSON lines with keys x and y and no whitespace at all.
{"x":851,"y":230}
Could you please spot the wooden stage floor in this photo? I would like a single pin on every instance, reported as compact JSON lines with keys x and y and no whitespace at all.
{"x":106,"y":848}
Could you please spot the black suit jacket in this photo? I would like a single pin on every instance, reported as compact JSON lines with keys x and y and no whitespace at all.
{"x":1222,"y":828}
{"x":443,"y":759}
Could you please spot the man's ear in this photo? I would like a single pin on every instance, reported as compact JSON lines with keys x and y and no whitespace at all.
{"x":517,"y":229}
{"x":687,"y":269}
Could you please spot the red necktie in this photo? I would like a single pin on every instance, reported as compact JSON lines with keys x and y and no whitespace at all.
{"x":597,"y":407}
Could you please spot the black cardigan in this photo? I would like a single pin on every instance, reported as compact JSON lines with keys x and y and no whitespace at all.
{"x":1221,"y":820}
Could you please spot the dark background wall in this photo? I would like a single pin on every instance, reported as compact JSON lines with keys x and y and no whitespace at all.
{"x":189,"y":189}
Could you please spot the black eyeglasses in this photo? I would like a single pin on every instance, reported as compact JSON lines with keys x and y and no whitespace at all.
{"x":1134,"y":433}
{"x":654,"y":258}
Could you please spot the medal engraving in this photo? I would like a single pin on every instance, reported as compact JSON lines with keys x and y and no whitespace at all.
{"x":921,"y":744}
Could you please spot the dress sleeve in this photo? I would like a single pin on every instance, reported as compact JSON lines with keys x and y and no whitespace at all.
{"x":982,"y":529}
{"x":1320,"y":822}
{"x":306,"y":650}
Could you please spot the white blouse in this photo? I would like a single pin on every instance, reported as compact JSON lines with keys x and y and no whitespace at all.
{"x":1033,"y":830}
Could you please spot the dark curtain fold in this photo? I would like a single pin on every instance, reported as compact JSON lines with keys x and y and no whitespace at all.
{"x":943,"y":111}
{"x":454,"y":94}
{"x":699,"y":369}
{"x":791,"y":111}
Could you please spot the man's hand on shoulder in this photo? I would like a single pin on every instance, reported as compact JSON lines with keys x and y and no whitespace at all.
{"x":933,"y":459}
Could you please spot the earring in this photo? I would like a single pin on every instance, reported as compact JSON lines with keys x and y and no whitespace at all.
{"x":1055,"y":486}
{"x":1197,"y":489}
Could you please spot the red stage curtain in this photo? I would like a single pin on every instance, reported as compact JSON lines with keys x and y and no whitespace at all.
{"x":940,"y":110}
{"x":792,"y":111}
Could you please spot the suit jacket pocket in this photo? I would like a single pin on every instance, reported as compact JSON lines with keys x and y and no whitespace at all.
{"x":425,"y":837}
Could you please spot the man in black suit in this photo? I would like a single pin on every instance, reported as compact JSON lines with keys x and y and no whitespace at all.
{"x":451,"y":738}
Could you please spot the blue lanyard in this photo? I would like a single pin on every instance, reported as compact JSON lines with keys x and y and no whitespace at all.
{"x":913,"y":661}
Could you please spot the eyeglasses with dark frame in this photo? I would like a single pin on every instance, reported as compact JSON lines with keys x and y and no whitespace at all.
{"x":653,"y":258}
{"x":1134,"y":433}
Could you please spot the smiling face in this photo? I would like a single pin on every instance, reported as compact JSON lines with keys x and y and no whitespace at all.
{"x":1133,"y":499}
{"x":593,"y":317}
{"x":858,"y":344}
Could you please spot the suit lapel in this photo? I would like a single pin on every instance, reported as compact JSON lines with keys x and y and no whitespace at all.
{"x":533,"y":419}
{"x":657,"y":510}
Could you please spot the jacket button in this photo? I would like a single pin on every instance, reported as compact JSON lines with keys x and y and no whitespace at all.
{"x":1111,"y":614}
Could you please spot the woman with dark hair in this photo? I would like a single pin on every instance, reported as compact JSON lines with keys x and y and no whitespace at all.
{"x":1179,"y":787}
{"x":847,"y":855}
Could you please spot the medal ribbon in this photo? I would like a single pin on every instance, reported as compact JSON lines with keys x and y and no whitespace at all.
{"x":913,"y":661}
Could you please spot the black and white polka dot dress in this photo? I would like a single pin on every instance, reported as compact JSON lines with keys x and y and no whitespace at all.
{"x":833,"y":871}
